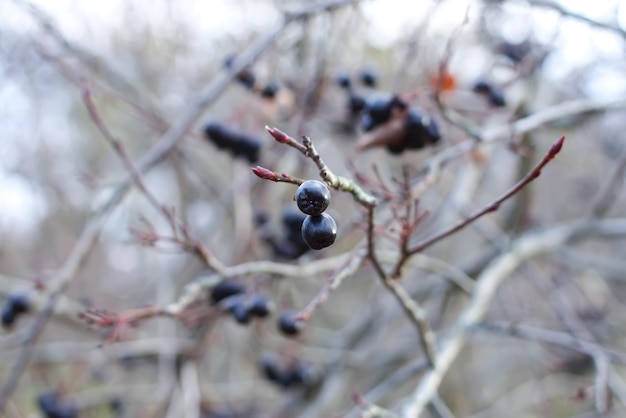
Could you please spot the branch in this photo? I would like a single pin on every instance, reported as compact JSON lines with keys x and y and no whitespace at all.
{"x":307,"y":148}
{"x":495,"y":205}
{"x":525,"y":247}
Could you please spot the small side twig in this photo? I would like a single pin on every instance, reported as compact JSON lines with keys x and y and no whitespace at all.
{"x":495,"y":205}
{"x":307,"y":148}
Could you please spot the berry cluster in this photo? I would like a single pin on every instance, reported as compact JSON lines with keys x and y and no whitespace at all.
{"x":53,"y":406}
{"x":420,"y":129}
{"x":238,"y":143}
{"x":356,"y":102}
{"x":294,"y":376}
{"x":231,"y":295}
{"x":248,"y":80}
{"x":15,"y":305}
{"x":494,"y":95}
{"x":319,"y":229}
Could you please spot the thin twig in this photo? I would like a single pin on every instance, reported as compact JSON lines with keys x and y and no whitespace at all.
{"x":307,"y":148}
{"x":495,"y":205}
{"x":523,"y":248}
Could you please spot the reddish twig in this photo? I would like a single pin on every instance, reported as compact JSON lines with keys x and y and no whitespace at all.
{"x":495,"y":205}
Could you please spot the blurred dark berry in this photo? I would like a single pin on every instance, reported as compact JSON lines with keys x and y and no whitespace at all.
{"x":298,"y":375}
{"x":368,"y":78}
{"x":241,"y":313}
{"x":312,"y":197}
{"x":245,"y":77}
{"x":272,"y":372}
{"x":515,"y":52}
{"x":482,"y":87}
{"x":378,"y":111}
{"x":319,"y":231}
{"x":343,"y":80}
{"x":117,"y":406}
{"x":225,"y":289}
{"x":8,"y":316}
{"x":20,"y":302}
{"x":270,"y":90}
{"x":238,"y":143}
{"x":260,"y":217}
{"x":17,"y":303}
{"x":288,"y":324}
{"x":292,"y":219}
{"x":54,"y":407}
{"x":496,"y":98}
{"x":237,"y":306}
{"x":356,"y":104}
{"x":260,"y":306}
{"x":421,"y":130}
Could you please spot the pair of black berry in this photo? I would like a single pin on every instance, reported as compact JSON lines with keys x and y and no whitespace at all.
{"x":494,"y":95}
{"x":231,"y":294}
{"x":367,"y":77}
{"x":293,"y":376}
{"x":16,"y":304}
{"x":53,"y":406}
{"x":319,"y":230}
{"x":236,"y":142}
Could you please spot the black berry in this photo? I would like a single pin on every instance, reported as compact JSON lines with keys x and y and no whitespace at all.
{"x":17,"y":303}
{"x":225,"y":289}
{"x":260,"y":306}
{"x":54,"y":407}
{"x":241,"y":313}
{"x":343,"y":80}
{"x":368,"y":78}
{"x":496,"y":98}
{"x":421,"y":130}
{"x":245,"y":77}
{"x":269,"y":91}
{"x":312,"y":197}
{"x":238,"y":143}
{"x":319,"y":231}
{"x":356,"y":104}
{"x":288,"y":324}
{"x":378,"y":111}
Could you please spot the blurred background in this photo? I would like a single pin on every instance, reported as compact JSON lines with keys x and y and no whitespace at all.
{"x":145,"y":63}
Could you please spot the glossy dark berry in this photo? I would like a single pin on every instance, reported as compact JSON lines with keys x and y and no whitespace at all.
{"x":319,"y":231}
{"x":225,"y":289}
{"x":269,"y":91}
{"x":368,"y":78}
{"x":312,"y":197}
{"x":238,"y":143}
{"x":260,"y":306}
{"x":343,"y":80}
{"x":288,"y":325}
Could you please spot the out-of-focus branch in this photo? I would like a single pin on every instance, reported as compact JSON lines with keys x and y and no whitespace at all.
{"x":542,"y":335}
{"x":577,"y":16}
{"x":525,"y":247}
